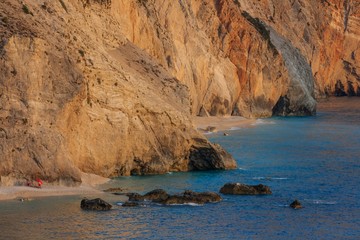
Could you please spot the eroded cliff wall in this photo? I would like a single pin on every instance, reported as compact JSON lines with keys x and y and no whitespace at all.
{"x":109,"y":86}
{"x":76,"y":95}
{"x":326,"y":33}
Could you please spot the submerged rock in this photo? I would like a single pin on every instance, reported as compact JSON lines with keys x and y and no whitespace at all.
{"x":162,"y":197}
{"x":114,"y":190}
{"x":193,"y":197}
{"x":95,"y":204}
{"x":242,"y":189}
{"x":135,"y":197}
{"x":130,"y":204}
{"x":157,"y":195}
{"x":296,"y":205}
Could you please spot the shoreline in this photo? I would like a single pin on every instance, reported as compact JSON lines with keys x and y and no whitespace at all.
{"x":222,"y":124}
{"x":91,"y":182}
{"x":89,"y":185}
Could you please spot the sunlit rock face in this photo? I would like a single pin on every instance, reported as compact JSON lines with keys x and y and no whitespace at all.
{"x":326,"y":33}
{"x":109,"y":86}
{"x":77,"y":95}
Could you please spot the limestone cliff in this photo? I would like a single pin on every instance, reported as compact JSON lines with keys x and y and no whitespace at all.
{"x":76,"y":95}
{"x":326,"y":33}
{"x":109,"y":86}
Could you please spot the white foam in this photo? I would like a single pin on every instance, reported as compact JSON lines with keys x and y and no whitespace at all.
{"x":244,"y":169}
{"x":270,"y":178}
{"x":282,"y":205}
{"x":322,"y":202}
{"x":187,"y":204}
{"x":262,"y":122}
{"x":234,"y":128}
{"x":262,"y":178}
{"x":208,"y":133}
{"x":119,"y":203}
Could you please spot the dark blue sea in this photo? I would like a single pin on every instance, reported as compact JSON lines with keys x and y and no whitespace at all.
{"x":313,"y":159}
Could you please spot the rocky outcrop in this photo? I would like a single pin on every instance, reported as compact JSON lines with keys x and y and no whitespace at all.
{"x":96,"y":204}
{"x":204,"y":156}
{"x":242,"y":189}
{"x":157,"y":195}
{"x":193,"y":197}
{"x":299,"y":99}
{"x":162,"y":197}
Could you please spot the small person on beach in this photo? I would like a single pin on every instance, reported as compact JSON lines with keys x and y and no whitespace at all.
{"x":37,"y":183}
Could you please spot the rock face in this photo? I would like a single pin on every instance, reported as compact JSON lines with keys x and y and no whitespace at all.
{"x":162,"y":197}
{"x":325,"y":33}
{"x":109,"y":86}
{"x":242,"y":189}
{"x":204,"y":156}
{"x":83,"y":97}
{"x":95,"y":204}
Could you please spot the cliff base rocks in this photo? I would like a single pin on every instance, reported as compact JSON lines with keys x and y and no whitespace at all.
{"x":162,"y":197}
{"x":96,"y":204}
{"x":242,"y":189}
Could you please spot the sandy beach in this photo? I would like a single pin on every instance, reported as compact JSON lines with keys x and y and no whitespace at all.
{"x":88,"y":186}
{"x":90,"y":182}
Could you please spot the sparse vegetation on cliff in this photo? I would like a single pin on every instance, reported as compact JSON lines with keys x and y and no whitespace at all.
{"x":81,"y":52}
{"x":26,"y":10}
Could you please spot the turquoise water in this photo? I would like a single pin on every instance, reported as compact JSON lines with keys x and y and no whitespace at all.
{"x":313,"y":159}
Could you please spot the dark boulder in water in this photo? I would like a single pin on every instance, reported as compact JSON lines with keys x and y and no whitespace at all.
{"x":157,"y":195}
{"x":96,"y":204}
{"x":296,"y":205}
{"x":135,"y":197}
{"x":193,"y":197}
{"x":162,"y":197}
{"x":130,"y":204}
{"x":242,"y":189}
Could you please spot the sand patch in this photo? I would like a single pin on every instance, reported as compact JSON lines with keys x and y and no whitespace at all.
{"x":213,"y":124}
{"x":88,"y":186}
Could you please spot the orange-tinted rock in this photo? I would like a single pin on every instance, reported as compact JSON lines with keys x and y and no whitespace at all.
{"x":76,"y":95}
{"x":109,"y":86}
{"x":327,"y":33}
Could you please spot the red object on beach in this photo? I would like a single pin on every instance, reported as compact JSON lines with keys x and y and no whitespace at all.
{"x":39,"y":182}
